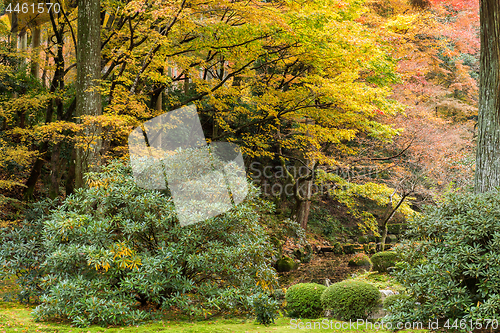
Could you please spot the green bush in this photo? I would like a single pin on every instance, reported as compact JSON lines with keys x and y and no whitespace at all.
{"x":304,"y":254}
{"x":322,"y":222}
{"x":22,"y":251}
{"x":360,"y":259}
{"x":112,"y":250}
{"x":363,"y":240}
{"x":350,"y":300}
{"x":337,"y":248}
{"x":265,"y":308}
{"x":390,"y":301}
{"x":304,"y":300}
{"x":395,"y":228}
{"x":451,"y":261}
{"x":383,"y":260}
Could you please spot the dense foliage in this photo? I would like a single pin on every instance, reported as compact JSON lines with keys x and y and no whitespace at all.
{"x":383,"y":260}
{"x":350,"y":300}
{"x":451,"y":263}
{"x":333,"y":104}
{"x":112,"y":249}
{"x":22,"y":251}
{"x":266,"y":308}
{"x":304,"y":300}
{"x":391,"y":300}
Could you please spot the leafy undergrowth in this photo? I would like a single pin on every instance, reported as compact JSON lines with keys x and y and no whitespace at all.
{"x":16,"y":318}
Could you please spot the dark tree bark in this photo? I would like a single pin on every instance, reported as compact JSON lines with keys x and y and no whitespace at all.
{"x":70,"y":178}
{"x":88,"y":98}
{"x":305,"y":186}
{"x":14,"y":31}
{"x":35,"y":44}
{"x":488,"y":144}
{"x":55,"y":174}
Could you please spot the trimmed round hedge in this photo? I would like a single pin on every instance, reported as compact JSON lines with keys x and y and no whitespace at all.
{"x":304,"y":300}
{"x":360,"y":259}
{"x":350,"y":300}
{"x":383,"y":260}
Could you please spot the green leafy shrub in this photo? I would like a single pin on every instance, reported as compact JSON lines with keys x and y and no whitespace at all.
{"x":279,"y":294}
{"x":392,"y":239}
{"x":22,"y":251}
{"x":337,"y":248}
{"x":363,"y":240}
{"x":304,"y":300}
{"x":451,"y":261}
{"x":391,"y":300}
{"x":350,"y":300}
{"x":395,"y":228}
{"x":304,"y":254}
{"x":360,"y":259}
{"x":112,"y":250}
{"x":308,"y":254}
{"x":265,"y":308}
{"x":383,"y":260}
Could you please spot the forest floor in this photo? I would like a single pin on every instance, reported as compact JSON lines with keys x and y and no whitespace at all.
{"x":320,"y":268}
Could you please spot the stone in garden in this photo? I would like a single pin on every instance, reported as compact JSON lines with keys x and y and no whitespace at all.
{"x":380,"y":312}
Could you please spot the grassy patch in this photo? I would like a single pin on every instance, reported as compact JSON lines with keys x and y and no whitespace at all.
{"x":379,"y":280}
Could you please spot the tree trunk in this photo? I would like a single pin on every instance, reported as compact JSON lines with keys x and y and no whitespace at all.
{"x":488,"y":144}
{"x":55,"y":177}
{"x":303,"y":210}
{"x":70,"y":179}
{"x":14,"y":30}
{"x":304,"y":206}
{"x":88,"y":101}
{"x":23,"y":46}
{"x":23,"y":43}
{"x":36,"y":170}
{"x":35,"y":44}
{"x":388,"y":218}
